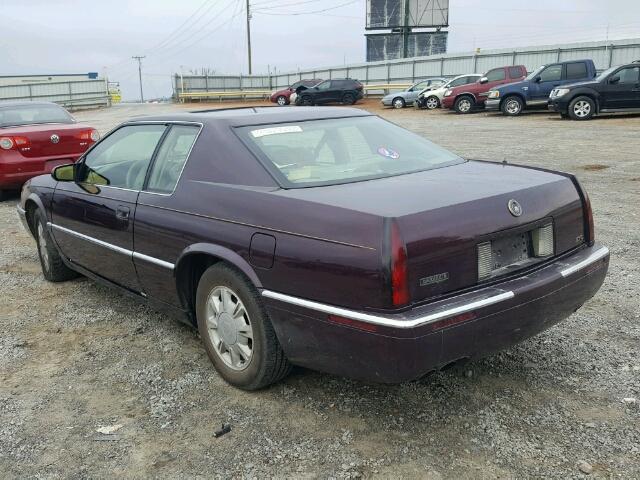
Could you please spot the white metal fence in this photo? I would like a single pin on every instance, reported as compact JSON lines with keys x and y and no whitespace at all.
{"x":72,"y":94}
{"x":604,"y":54}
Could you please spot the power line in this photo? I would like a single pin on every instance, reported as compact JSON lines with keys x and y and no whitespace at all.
{"x":312,"y":12}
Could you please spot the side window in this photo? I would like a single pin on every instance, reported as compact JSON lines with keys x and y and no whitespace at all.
{"x":419,"y":86}
{"x":122,"y":159}
{"x":576,"y":70}
{"x":324,"y":85}
{"x":495,"y":75}
{"x":458,"y":82}
{"x":628,"y":76}
{"x":171,"y":158}
{"x":515,"y":72}
{"x":552,"y":73}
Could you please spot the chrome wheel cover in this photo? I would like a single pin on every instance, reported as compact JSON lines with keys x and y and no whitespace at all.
{"x":464,"y":105}
{"x":582,"y":108}
{"x":229,"y":328}
{"x":398,"y":103}
{"x":432,"y":102}
{"x":513,"y":107}
{"x":42,"y":246}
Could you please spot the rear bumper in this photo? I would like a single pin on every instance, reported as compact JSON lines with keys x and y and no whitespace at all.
{"x":393,"y":348}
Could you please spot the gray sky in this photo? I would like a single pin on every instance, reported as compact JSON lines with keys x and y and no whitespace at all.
{"x":67,"y":36}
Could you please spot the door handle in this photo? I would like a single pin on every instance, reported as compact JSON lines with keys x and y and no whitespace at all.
{"x":122,"y":213}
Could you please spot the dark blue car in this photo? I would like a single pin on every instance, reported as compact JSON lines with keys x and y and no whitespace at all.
{"x":533,"y":91}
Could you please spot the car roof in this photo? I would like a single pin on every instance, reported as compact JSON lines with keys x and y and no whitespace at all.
{"x":4,"y":104}
{"x":255,"y":115}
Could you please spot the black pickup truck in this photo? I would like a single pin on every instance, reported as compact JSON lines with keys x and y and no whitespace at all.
{"x":614,"y":90}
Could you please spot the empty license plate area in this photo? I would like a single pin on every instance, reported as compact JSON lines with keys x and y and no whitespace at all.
{"x":512,"y":252}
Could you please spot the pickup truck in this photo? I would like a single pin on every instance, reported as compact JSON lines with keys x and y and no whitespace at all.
{"x":533,"y":91}
{"x":465,"y":98}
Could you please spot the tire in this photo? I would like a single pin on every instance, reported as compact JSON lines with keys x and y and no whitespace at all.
{"x":306,"y":101}
{"x":53,"y":268}
{"x":512,"y":106}
{"x":398,"y":102}
{"x":432,"y":102}
{"x":282,"y":101}
{"x":463,"y":104}
{"x":349,"y":99}
{"x":244,"y":348}
{"x":582,"y":108}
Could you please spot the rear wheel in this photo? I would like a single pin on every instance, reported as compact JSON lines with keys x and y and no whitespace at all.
{"x":463,"y":104}
{"x":236,"y":330}
{"x":348,"y":99}
{"x":512,"y":106}
{"x":53,"y":268}
{"x":398,"y":102}
{"x":281,"y":100}
{"x":582,"y":108}
{"x":432,"y":102}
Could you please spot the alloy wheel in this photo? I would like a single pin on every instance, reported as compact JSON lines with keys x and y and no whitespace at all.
{"x":229,"y":328}
{"x":398,"y":103}
{"x":432,"y":102}
{"x":464,"y":105}
{"x":513,"y":107}
{"x":281,"y":101}
{"x":582,"y":109}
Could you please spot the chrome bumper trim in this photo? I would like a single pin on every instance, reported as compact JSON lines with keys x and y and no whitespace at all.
{"x":594,"y":257}
{"x":388,"y":321}
{"x":110,"y":246}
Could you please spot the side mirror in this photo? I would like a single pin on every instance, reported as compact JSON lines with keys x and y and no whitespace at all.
{"x":484,"y":80}
{"x":64,"y":173}
{"x":615,"y":79}
{"x":538,"y":79}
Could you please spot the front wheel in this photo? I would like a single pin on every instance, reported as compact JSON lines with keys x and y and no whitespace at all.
{"x":398,"y":103}
{"x":582,"y":108}
{"x":463,"y":104}
{"x":306,"y":101}
{"x":281,"y":100}
{"x":53,"y":268}
{"x":236,"y":330}
{"x":512,"y":106}
{"x":432,"y":102}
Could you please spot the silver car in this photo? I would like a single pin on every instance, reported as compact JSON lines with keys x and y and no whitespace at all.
{"x":410,"y":95}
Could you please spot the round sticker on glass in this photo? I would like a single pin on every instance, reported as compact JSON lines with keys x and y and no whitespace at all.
{"x":387,"y":152}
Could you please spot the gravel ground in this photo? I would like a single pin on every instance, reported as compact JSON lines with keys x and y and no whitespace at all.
{"x":77,"y":357}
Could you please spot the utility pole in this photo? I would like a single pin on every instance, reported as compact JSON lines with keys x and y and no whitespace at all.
{"x":249,"y":36}
{"x":139,"y":59}
{"x":406,"y":30}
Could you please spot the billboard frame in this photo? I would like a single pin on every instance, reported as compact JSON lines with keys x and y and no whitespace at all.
{"x":407,"y":19}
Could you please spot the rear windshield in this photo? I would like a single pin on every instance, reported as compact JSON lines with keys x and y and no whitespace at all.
{"x":343,"y":150}
{"x":30,"y":114}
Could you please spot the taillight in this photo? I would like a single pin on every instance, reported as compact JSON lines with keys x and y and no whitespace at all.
{"x":399,"y":280}
{"x":87,"y":135}
{"x":587,"y":213}
{"x":13,"y":142}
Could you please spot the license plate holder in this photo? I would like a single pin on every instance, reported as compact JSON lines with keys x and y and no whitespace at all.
{"x":510,"y":251}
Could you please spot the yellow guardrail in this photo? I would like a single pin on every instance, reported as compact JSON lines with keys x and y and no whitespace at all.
{"x":243,"y":94}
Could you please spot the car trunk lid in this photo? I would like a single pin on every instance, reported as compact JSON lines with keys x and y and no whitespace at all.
{"x":44,"y":140}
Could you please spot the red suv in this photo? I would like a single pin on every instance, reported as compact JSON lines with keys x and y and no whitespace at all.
{"x":465,"y":98}
{"x":281,"y":97}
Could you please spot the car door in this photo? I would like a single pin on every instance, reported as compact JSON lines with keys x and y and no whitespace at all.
{"x":323,"y":92}
{"x":92,"y":217}
{"x":621,"y":90}
{"x":157,"y":245}
{"x":495,"y":77}
{"x":411,"y":95}
{"x":548,"y":79}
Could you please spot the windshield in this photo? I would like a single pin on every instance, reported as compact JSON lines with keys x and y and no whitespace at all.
{"x":341,"y":150}
{"x":605,"y":74}
{"x":29,"y":114}
{"x":535,"y":73}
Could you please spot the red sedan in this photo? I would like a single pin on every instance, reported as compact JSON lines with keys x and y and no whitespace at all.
{"x":36,"y":137}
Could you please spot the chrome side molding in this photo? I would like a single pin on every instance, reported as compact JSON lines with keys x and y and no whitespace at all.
{"x":110,"y":246}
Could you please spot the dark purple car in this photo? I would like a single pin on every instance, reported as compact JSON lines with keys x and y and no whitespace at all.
{"x":327,"y":238}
